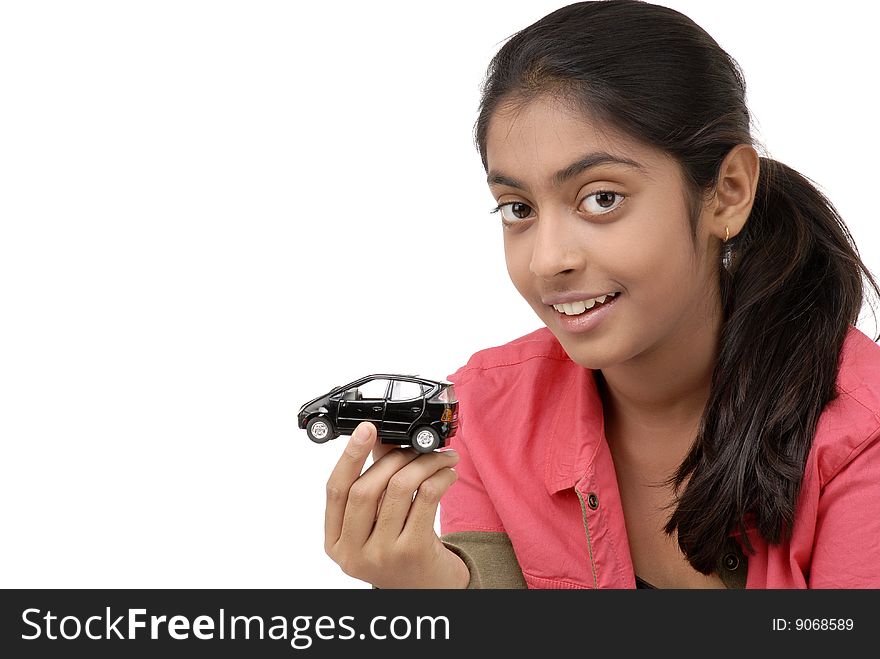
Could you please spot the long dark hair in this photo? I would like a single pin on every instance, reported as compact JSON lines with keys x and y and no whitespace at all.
{"x":794,"y":284}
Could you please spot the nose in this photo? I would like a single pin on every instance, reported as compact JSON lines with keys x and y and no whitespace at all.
{"x":556,"y":247}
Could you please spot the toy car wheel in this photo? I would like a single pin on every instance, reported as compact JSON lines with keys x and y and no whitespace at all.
{"x":320,"y":429}
{"x":425,"y":439}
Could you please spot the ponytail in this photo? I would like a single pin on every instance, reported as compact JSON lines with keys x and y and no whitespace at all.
{"x":793,"y":289}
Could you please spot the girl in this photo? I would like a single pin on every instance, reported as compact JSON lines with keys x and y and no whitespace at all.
{"x":700,"y":410}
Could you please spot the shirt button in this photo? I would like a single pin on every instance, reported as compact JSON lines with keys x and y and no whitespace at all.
{"x":731,"y":561}
{"x":592,"y":500}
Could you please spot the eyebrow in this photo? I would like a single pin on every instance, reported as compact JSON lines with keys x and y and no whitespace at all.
{"x":580,"y":165}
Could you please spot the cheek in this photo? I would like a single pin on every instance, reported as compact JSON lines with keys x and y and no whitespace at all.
{"x":654,"y":254}
{"x":517,"y":256}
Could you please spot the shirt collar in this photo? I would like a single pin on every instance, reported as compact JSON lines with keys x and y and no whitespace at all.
{"x":577,"y":430}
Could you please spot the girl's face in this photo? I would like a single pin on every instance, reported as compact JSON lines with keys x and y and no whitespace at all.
{"x":587,"y":211}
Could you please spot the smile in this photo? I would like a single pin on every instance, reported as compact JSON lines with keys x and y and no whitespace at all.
{"x":577,"y":308}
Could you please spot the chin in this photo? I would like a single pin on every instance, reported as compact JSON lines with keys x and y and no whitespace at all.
{"x":582,"y":353}
{"x":596,"y":349}
{"x":586,"y":356}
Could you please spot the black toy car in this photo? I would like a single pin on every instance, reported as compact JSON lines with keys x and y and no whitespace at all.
{"x":405,"y":409}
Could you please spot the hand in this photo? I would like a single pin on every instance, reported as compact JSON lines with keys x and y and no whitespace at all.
{"x":374,"y":528}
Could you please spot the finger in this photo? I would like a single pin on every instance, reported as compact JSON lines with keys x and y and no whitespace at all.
{"x":423,"y":512}
{"x":380,"y":448}
{"x":346,"y":472}
{"x":398,"y":499}
{"x":364,"y":495}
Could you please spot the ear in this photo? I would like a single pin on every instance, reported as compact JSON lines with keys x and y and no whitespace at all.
{"x":735,"y":190}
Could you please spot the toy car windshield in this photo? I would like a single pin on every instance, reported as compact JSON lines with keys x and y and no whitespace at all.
{"x":406,"y":410}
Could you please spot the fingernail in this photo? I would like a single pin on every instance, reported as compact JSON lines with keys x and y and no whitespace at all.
{"x":360,"y":435}
{"x":450,"y":452}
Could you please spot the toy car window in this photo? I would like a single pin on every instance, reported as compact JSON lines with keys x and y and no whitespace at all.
{"x":405,"y":390}
{"x":374,"y":389}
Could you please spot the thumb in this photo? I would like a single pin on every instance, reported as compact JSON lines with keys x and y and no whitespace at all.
{"x":367,"y":430}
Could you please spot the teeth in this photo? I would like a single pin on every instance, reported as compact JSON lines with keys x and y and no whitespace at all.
{"x":576,"y":308}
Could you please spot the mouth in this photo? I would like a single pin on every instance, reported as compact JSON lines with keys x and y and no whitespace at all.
{"x":585,"y":315}
{"x":585,"y":306}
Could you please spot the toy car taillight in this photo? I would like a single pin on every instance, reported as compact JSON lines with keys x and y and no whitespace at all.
{"x":447,"y":414}
{"x":446,"y":395}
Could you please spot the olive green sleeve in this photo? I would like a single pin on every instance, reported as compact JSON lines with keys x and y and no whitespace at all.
{"x":489,"y":557}
{"x":492,"y":563}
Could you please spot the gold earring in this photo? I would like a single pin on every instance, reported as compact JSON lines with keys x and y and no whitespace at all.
{"x":726,"y":256}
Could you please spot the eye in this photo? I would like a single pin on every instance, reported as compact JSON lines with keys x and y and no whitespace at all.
{"x":603,"y":201}
{"x":513,"y":211}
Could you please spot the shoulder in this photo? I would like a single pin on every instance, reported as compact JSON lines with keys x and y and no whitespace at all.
{"x":530,"y":383}
{"x":859,"y":369}
{"x":850,"y":423}
{"x":540,"y":346}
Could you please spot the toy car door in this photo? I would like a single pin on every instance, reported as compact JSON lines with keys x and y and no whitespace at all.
{"x":406,"y":404}
{"x":365,"y":402}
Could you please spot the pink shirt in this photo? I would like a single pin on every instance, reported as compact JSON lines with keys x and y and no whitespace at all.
{"x":533,"y":455}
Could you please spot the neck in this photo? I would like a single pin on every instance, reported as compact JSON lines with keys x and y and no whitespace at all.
{"x":653,"y":403}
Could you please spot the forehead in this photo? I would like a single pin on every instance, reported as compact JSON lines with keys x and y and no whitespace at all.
{"x":534,"y":139}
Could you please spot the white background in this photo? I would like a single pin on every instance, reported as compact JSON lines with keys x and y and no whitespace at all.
{"x":214,"y":211}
